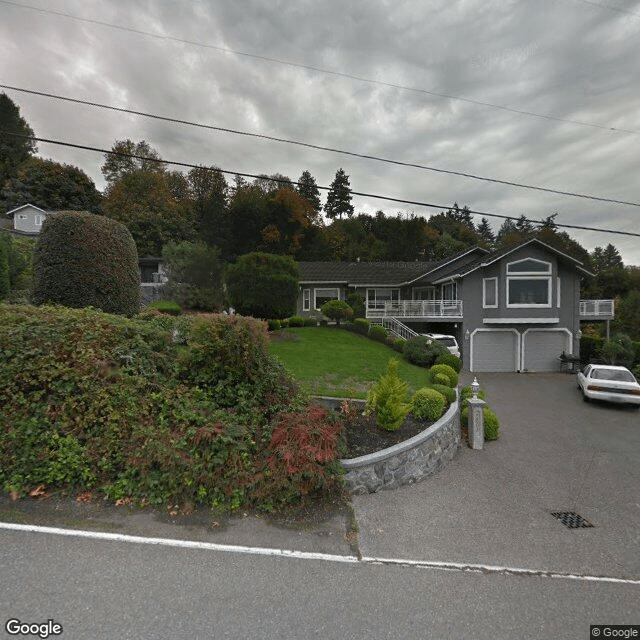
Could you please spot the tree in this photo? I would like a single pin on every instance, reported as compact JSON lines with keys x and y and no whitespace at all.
{"x":627,"y":319}
{"x":142,"y":200}
{"x":337,"y":310}
{"x":209,"y":194}
{"x":195,"y":275}
{"x":50,"y":185}
{"x":121,"y":160}
{"x":308,"y":189}
{"x":611,"y":278}
{"x":485,"y":233}
{"x":14,"y":150}
{"x":339,"y":197}
{"x":84,"y":260}
{"x":263,"y":285}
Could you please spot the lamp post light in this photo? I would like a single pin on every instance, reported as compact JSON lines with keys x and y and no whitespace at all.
{"x":475,"y":387}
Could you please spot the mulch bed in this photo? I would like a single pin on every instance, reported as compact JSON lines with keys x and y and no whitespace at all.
{"x":363,"y":436}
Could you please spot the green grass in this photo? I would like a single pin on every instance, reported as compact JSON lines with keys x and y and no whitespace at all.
{"x":334,"y":362}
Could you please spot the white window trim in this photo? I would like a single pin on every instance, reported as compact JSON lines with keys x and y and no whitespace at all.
{"x":454,"y":286}
{"x":306,"y":299}
{"x":485,"y":285}
{"x":528,"y":275}
{"x":315,"y":292}
{"x":558,"y":291}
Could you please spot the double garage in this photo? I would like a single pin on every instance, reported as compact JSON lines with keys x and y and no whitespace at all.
{"x":518,"y":349}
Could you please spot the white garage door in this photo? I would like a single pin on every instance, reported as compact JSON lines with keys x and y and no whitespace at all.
{"x":495,"y":350}
{"x":541,"y":348}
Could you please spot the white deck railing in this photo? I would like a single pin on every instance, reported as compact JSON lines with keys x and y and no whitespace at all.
{"x":397,"y":328}
{"x":596,"y":309}
{"x":416,"y":309}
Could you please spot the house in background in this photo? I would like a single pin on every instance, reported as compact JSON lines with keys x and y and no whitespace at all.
{"x":513,"y":310}
{"x":27,"y":219}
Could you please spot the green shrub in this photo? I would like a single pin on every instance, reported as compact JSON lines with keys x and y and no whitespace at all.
{"x":491,"y":424}
{"x":453,"y":361}
{"x":295,"y":321}
{"x":440,"y":378}
{"x":428,"y":404}
{"x":617,"y":350}
{"x":360,"y":325}
{"x":398,"y":344}
{"x":448,"y":372}
{"x":589,"y":348}
{"x":5,"y":283}
{"x":448,"y":392}
{"x":376,"y":332}
{"x":86,"y":260}
{"x":337,"y":310}
{"x":166,"y":306}
{"x":273,"y":325}
{"x":310,"y":322}
{"x":356,"y":302}
{"x":92,"y":401}
{"x":263,"y":285}
{"x":387,"y":399}
{"x":423,"y":351}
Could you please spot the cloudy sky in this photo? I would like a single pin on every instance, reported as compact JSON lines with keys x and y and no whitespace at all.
{"x":402,"y":80}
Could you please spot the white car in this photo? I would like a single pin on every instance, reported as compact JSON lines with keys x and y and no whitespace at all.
{"x":446,"y":341}
{"x":606,"y":382}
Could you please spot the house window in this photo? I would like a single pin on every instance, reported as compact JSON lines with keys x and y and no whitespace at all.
{"x":38,"y":218}
{"x":450,"y":291}
{"x":324,"y":295}
{"x":424,"y":293}
{"x":306,"y":299}
{"x":490,"y":293}
{"x":377,"y":298}
{"x":22,"y":216}
{"x":529,"y":283}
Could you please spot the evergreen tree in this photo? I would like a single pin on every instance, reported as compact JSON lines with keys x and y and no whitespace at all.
{"x":208,"y":190}
{"x":339,"y":197}
{"x":485,"y":232}
{"x":121,"y":162}
{"x":308,"y":189}
{"x":13,"y":150}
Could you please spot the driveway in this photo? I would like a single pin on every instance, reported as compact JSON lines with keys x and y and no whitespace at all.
{"x":555,"y":453}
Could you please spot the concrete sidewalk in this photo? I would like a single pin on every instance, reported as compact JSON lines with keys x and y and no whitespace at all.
{"x":555,"y":453}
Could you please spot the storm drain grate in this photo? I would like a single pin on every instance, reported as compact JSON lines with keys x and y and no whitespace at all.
{"x":571,"y":520}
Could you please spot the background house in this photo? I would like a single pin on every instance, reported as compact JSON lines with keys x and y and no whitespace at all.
{"x":27,"y":219}
{"x":513,"y":310}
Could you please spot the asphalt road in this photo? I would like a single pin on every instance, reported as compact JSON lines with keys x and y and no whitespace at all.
{"x":488,"y":511}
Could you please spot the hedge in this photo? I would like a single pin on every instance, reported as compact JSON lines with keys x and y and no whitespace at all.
{"x":86,"y":260}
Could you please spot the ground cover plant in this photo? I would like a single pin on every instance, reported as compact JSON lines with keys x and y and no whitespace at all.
{"x":332,"y":362}
{"x":155,"y":409}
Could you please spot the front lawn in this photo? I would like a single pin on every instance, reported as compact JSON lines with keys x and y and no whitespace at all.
{"x":334,"y":362}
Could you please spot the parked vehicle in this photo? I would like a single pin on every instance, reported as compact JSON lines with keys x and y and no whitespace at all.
{"x":446,"y":341}
{"x":610,"y":383}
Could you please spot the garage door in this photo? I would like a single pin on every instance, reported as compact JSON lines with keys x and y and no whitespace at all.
{"x":495,"y":350}
{"x":541,"y":348}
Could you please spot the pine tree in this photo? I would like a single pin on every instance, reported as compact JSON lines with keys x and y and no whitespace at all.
{"x":339,"y":197}
{"x":485,"y":232}
{"x":308,"y":189}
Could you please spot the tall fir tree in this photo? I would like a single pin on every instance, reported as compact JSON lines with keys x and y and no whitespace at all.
{"x":308,"y":189}
{"x":339,"y":197}
{"x":485,"y":232}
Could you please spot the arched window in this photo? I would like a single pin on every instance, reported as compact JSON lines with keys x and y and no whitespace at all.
{"x":529,"y":283}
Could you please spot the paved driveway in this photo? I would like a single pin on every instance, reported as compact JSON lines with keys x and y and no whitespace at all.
{"x":556,"y":453}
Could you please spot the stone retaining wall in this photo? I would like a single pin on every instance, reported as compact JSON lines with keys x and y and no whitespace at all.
{"x":408,"y":461}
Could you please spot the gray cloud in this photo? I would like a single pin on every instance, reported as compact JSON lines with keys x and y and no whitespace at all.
{"x":564,"y":58}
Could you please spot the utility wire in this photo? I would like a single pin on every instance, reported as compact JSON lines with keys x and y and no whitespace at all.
{"x":287,"y":182}
{"x":321,"y":70}
{"x":320,"y":148}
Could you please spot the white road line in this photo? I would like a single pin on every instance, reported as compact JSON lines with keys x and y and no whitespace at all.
{"x":308,"y":555}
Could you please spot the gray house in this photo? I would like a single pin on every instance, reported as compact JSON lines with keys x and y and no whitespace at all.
{"x":27,"y":219}
{"x":513,"y":310}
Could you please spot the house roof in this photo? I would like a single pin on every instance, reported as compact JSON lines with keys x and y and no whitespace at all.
{"x":24,"y":206}
{"x":463,"y":270}
{"x":375,"y":273}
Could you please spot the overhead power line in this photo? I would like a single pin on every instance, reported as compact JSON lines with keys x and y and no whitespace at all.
{"x":287,"y":182}
{"x":313,"y":68}
{"x":319,"y":147}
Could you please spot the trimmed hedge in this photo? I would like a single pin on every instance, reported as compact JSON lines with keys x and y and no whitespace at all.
{"x":448,"y":392}
{"x":359,"y":325}
{"x":166,"y":306}
{"x":445,"y":370}
{"x":453,"y":361}
{"x":5,"y":283}
{"x":376,"y":332}
{"x":423,"y":351}
{"x":116,"y":406}
{"x":86,"y":260}
{"x":295,"y":321}
{"x":428,"y":404}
